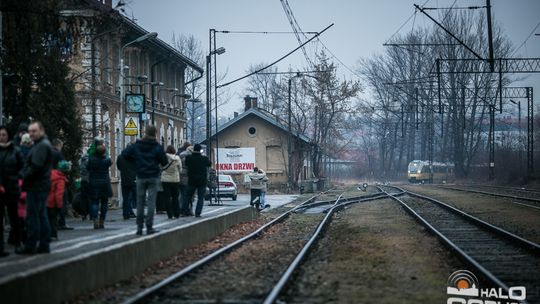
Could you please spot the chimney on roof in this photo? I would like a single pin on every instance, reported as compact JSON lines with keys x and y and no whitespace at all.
{"x":235,"y":114}
{"x":250,"y":102}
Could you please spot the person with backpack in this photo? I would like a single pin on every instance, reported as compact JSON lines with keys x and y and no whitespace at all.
{"x":148,"y":155}
{"x":186,"y":208}
{"x":197,"y":165}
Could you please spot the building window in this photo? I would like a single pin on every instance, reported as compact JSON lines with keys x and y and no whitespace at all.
{"x":275,"y":159}
{"x":252,"y":131}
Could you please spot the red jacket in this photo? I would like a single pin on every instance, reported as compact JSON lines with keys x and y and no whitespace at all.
{"x":56,"y":194}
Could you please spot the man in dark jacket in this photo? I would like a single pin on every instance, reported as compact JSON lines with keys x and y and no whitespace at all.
{"x":37,"y":182}
{"x":147,"y":154}
{"x":128,"y":171}
{"x":197,"y":166}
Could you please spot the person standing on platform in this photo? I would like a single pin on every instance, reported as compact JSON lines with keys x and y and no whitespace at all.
{"x":55,"y":199}
{"x":26,"y":144}
{"x":264,"y":188}
{"x":21,"y":130}
{"x":11,"y":162}
{"x":197,"y":165}
{"x":82,"y":204}
{"x":57,"y":156}
{"x":256,"y":184}
{"x":186,"y":207}
{"x":100,"y":184}
{"x":37,"y":182}
{"x":128,"y":171}
{"x":170,"y":179}
{"x":147,"y":154}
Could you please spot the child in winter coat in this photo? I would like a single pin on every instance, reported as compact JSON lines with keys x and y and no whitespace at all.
{"x":55,"y":200}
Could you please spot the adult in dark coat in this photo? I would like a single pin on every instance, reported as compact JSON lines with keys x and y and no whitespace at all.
{"x":100,"y":185}
{"x":197,"y":166}
{"x":147,"y":154}
{"x":37,"y":182}
{"x":128,"y":172}
{"x":11,"y":162}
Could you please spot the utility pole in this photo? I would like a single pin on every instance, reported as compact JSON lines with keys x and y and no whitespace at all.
{"x":490,"y":36}
{"x":491,"y":142}
{"x":530,"y":134}
{"x":93,"y":68}
{"x":1,"y":78}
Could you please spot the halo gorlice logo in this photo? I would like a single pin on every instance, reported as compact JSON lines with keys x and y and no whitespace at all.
{"x":463,"y":288}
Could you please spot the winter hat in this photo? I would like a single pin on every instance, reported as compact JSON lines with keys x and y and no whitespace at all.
{"x":64,"y":166}
{"x":23,"y":127}
{"x":26,"y":140}
{"x":98,"y":140}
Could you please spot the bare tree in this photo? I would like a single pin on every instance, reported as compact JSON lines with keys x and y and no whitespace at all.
{"x":404,"y":104}
{"x":331,"y":110}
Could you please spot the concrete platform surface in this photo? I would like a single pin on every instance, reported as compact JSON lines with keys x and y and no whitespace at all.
{"x":78,"y":253}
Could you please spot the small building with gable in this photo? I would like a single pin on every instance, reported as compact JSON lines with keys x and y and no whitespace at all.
{"x":259,"y":138}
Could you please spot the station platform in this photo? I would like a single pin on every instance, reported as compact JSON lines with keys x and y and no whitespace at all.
{"x":84,"y":259}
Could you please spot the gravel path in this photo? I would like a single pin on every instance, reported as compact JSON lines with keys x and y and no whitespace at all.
{"x":375,"y":253}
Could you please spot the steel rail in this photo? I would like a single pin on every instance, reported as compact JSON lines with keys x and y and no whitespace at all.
{"x":529,"y":199}
{"x":446,"y":241}
{"x":205,"y":260}
{"x":302,"y":255}
{"x":450,"y":244}
{"x":509,"y":235}
{"x":503,"y":188}
{"x":322,"y":203}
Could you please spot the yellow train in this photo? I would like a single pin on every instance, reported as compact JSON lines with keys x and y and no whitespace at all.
{"x":418,"y":171}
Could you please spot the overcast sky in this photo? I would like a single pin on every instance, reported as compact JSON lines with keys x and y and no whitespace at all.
{"x":360,"y":28}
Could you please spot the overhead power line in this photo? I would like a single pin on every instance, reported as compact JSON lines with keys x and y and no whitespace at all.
{"x":526,"y":39}
{"x":273,"y":63}
{"x":262,"y":32}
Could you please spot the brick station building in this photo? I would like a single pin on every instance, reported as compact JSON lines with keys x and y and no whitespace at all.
{"x":151,"y":67}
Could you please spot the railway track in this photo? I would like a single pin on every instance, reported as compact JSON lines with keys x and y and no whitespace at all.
{"x":532,"y":192}
{"x":502,"y":258}
{"x":158,"y":292}
{"x":531,"y":202}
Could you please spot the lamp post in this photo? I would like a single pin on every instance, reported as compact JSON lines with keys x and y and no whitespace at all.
{"x":218,"y":51}
{"x":213,"y":51}
{"x":121,"y":80}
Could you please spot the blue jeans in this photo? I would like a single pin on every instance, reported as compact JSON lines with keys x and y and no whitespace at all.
{"x":144,"y":185}
{"x":129,"y":200}
{"x":200,"y":197}
{"x":37,"y":220}
{"x":102,"y":205}
{"x":263,"y":200}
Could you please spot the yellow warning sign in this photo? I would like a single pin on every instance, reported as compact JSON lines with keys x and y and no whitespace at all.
{"x":131,"y":124}
{"x":131,"y":128}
